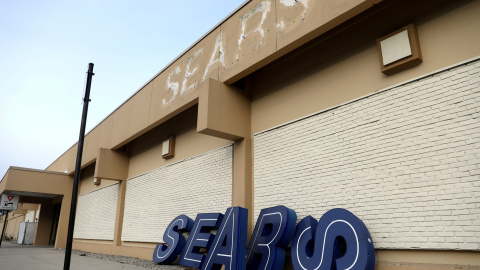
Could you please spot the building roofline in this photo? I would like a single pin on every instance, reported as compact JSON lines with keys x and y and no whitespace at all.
{"x":159,"y":72}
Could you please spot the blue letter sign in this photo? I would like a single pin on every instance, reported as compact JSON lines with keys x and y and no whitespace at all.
{"x":230,"y":243}
{"x":200,"y":237}
{"x":274,"y":230}
{"x":340,"y":240}
{"x":175,"y":241}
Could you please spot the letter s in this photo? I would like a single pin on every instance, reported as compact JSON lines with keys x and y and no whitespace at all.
{"x":175,"y":242}
{"x":339,"y":240}
{"x":172,"y":86}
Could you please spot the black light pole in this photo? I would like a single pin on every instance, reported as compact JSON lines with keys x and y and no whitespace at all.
{"x":76,"y":178}
{"x":5,"y":213}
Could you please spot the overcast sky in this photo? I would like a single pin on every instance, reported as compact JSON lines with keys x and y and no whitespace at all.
{"x":45,"y":48}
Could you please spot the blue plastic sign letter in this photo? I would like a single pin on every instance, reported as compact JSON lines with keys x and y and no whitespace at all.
{"x":340,"y":240}
{"x":174,"y":240}
{"x":230,"y":243}
{"x":200,"y":237}
{"x":273,"y":232}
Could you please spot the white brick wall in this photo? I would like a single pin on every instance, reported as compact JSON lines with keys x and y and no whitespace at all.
{"x":405,"y":160}
{"x":201,"y":184}
{"x":96,"y":211}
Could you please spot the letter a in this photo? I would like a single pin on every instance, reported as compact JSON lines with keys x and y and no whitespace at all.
{"x":230,"y":243}
{"x":200,"y":237}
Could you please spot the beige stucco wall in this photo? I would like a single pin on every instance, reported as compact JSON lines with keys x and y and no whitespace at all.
{"x":146,"y":152}
{"x":13,"y":223}
{"x":66,"y":162}
{"x":346,"y":65}
{"x":86,"y":181}
{"x":333,"y":69}
{"x":56,"y":185}
{"x":244,"y":42}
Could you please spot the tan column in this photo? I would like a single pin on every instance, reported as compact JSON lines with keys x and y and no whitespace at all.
{"x":44,"y":225}
{"x":62,"y":230}
{"x":113,"y":165}
{"x":117,"y":235}
{"x":224,"y":112}
{"x":242,"y":178}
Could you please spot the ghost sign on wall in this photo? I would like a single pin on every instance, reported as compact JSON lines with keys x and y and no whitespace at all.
{"x":339,"y":240}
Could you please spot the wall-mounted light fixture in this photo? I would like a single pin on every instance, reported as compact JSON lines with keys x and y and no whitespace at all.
{"x":399,"y":50}
{"x":168,"y":148}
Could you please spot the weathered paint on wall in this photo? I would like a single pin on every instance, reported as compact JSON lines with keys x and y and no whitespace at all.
{"x":243,"y":43}
{"x":307,"y":78}
{"x":297,"y":17}
{"x":249,"y":37}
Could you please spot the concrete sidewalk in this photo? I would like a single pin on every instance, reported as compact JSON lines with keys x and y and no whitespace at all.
{"x":13,"y":256}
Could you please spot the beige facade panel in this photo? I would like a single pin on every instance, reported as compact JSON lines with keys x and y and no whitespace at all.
{"x":13,"y":224}
{"x":177,"y":88}
{"x":111,"y":165}
{"x":200,"y":63}
{"x":201,"y":184}
{"x":145,"y":153}
{"x":242,"y":44}
{"x":223,"y":112}
{"x":165,"y":103}
{"x":333,"y":71}
{"x":45,"y":188}
{"x":66,"y":162}
{"x":86,"y":180}
{"x":161,"y":97}
{"x":449,"y":39}
{"x":249,"y":39}
{"x":213,"y":59}
{"x":243,"y":178}
{"x":120,"y":123}
{"x":403,"y":160}
{"x":91,"y":145}
{"x":139,"y":111}
{"x":106,"y":133}
{"x":36,"y":181}
{"x":95,"y":216}
{"x":30,"y":206}
{"x":87,"y":177}
{"x":20,"y":212}
{"x":426,"y":259}
{"x":302,"y":20}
